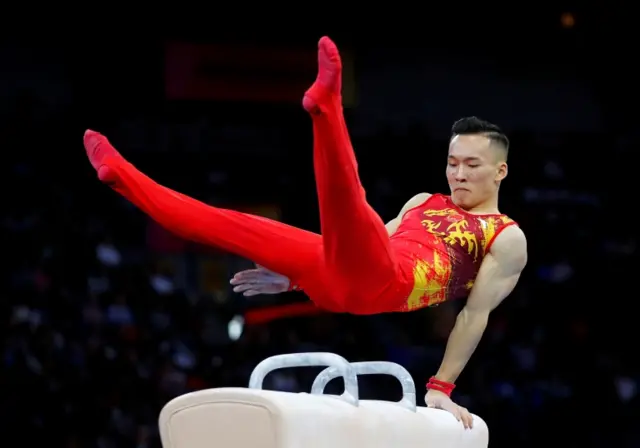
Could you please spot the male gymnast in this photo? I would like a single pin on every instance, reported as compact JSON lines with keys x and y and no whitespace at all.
{"x":438,"y":248}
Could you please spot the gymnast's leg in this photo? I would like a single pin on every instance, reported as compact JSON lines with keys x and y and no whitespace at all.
{"x":356,"y":242}
{"x":282,"y":248}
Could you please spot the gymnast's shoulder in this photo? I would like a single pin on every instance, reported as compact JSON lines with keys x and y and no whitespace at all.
{"x":416,"y":201}
{"x":510,"y":244}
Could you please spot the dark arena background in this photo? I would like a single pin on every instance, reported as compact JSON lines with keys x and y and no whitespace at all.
{"x":106,"y":316}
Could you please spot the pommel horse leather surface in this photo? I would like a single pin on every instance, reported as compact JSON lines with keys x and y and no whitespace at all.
{"x":250,"y":418}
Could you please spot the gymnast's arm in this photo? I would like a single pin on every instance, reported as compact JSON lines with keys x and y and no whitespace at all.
{"x":498,"y":275}
{"x":415,"y":201}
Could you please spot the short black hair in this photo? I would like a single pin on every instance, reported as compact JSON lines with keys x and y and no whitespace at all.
{"x":475,"y":125}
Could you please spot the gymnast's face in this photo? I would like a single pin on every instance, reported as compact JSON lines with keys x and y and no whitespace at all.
{"x":475,"y":169}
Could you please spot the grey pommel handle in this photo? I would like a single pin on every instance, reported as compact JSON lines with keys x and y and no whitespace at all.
{"x":339,"y":367}
{"x":408,"y":400}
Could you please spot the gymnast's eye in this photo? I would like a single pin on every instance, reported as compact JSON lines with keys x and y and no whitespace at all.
{"x":474,"y":166}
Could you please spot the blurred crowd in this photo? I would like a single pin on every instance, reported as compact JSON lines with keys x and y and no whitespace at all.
{"x":106,"y":317}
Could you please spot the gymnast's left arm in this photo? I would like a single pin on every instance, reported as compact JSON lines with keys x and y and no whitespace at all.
{"x":498,"y":275}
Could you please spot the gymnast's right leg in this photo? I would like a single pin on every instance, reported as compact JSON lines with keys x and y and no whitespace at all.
{"x":288,"y":250}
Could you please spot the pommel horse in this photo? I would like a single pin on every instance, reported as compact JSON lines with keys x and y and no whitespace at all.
{"x":256,"y":418}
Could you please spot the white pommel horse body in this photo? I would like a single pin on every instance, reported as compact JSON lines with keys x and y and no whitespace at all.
{"x":256,"y":418}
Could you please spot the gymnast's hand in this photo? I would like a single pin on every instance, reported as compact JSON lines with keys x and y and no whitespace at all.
{"x":439,"y":400}
{"x":259,"y":281}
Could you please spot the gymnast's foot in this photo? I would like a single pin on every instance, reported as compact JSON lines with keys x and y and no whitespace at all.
{"x":328,"y":84}
{"x":101,"y":155}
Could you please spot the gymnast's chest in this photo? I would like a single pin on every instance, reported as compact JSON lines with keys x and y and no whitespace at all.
{"x":438,"y":222}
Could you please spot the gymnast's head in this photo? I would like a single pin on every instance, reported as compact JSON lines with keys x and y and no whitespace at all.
{"x":477,"y":162}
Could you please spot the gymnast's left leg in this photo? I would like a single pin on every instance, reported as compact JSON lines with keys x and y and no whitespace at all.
{"x":356,"y":243}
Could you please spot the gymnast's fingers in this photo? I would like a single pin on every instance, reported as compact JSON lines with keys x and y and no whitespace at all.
{"x":467,"y":418}
{"x":252,"y":276}
{"x":248,"y":273}
{"x":245,"y":287}
{"x":251,"y":292}
{"x":455,"y":410}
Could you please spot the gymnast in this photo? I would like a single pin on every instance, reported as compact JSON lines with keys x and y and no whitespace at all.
{"x":438,"y":248}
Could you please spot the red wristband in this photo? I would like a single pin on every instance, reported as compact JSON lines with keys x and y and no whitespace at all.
{"x":441,"y":386}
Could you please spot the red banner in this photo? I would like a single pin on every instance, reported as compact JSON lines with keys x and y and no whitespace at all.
{"x":222,"y":72}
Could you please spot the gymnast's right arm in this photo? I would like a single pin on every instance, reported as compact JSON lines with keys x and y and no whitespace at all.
{"x":415,"y":201}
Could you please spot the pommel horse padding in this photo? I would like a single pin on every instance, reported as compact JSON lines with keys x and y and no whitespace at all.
{"x":257,"y":418}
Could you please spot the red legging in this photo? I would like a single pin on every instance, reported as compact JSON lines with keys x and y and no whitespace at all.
{"x":348,"y":268}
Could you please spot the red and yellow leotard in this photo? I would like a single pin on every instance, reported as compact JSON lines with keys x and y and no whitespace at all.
{"x":440,"y":246}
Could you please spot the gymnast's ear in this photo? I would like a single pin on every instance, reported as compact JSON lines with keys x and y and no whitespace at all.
{"x":502,"y":170}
